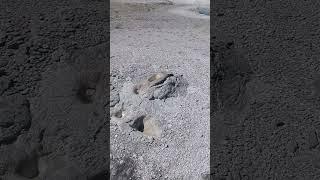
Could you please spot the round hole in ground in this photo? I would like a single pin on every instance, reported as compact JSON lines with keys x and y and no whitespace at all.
{"x":138,"y":124}
{"x":136,"y":89}
{"x":147,"y":125}
{"x":279,"y":124}
{"x":118,"y":114}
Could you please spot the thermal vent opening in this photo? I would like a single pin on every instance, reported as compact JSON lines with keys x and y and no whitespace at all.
{"x":138,"y":124}
{"x":147,"y":125}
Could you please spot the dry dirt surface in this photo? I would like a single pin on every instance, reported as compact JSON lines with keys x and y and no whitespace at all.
{"x":265,"y":90}
{"x":159,"y":91}
{"x":53,"y":56}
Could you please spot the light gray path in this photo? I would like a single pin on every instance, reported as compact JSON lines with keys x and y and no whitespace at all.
{"x":151,"y":38}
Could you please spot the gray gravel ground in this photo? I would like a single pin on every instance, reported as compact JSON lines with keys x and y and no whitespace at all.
{"x":53,"y":56}
{"x":164,"y":135}
{"x":266,"y":96}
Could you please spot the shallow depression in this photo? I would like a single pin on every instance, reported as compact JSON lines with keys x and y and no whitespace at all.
{"x":147,"y":125}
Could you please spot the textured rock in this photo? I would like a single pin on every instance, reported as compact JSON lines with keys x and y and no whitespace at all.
{"x":162,"y":86}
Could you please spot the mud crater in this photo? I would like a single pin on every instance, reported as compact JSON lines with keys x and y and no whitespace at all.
{"x":147,"y":125}
{"x":129,"y":111}
{"x":161,"y":86}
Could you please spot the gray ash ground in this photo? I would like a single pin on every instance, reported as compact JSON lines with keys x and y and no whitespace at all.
{"x":52,"y":91}
{"x":265,"y":77}
{"x":265,"y":69}
{"x":160,"y":91}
